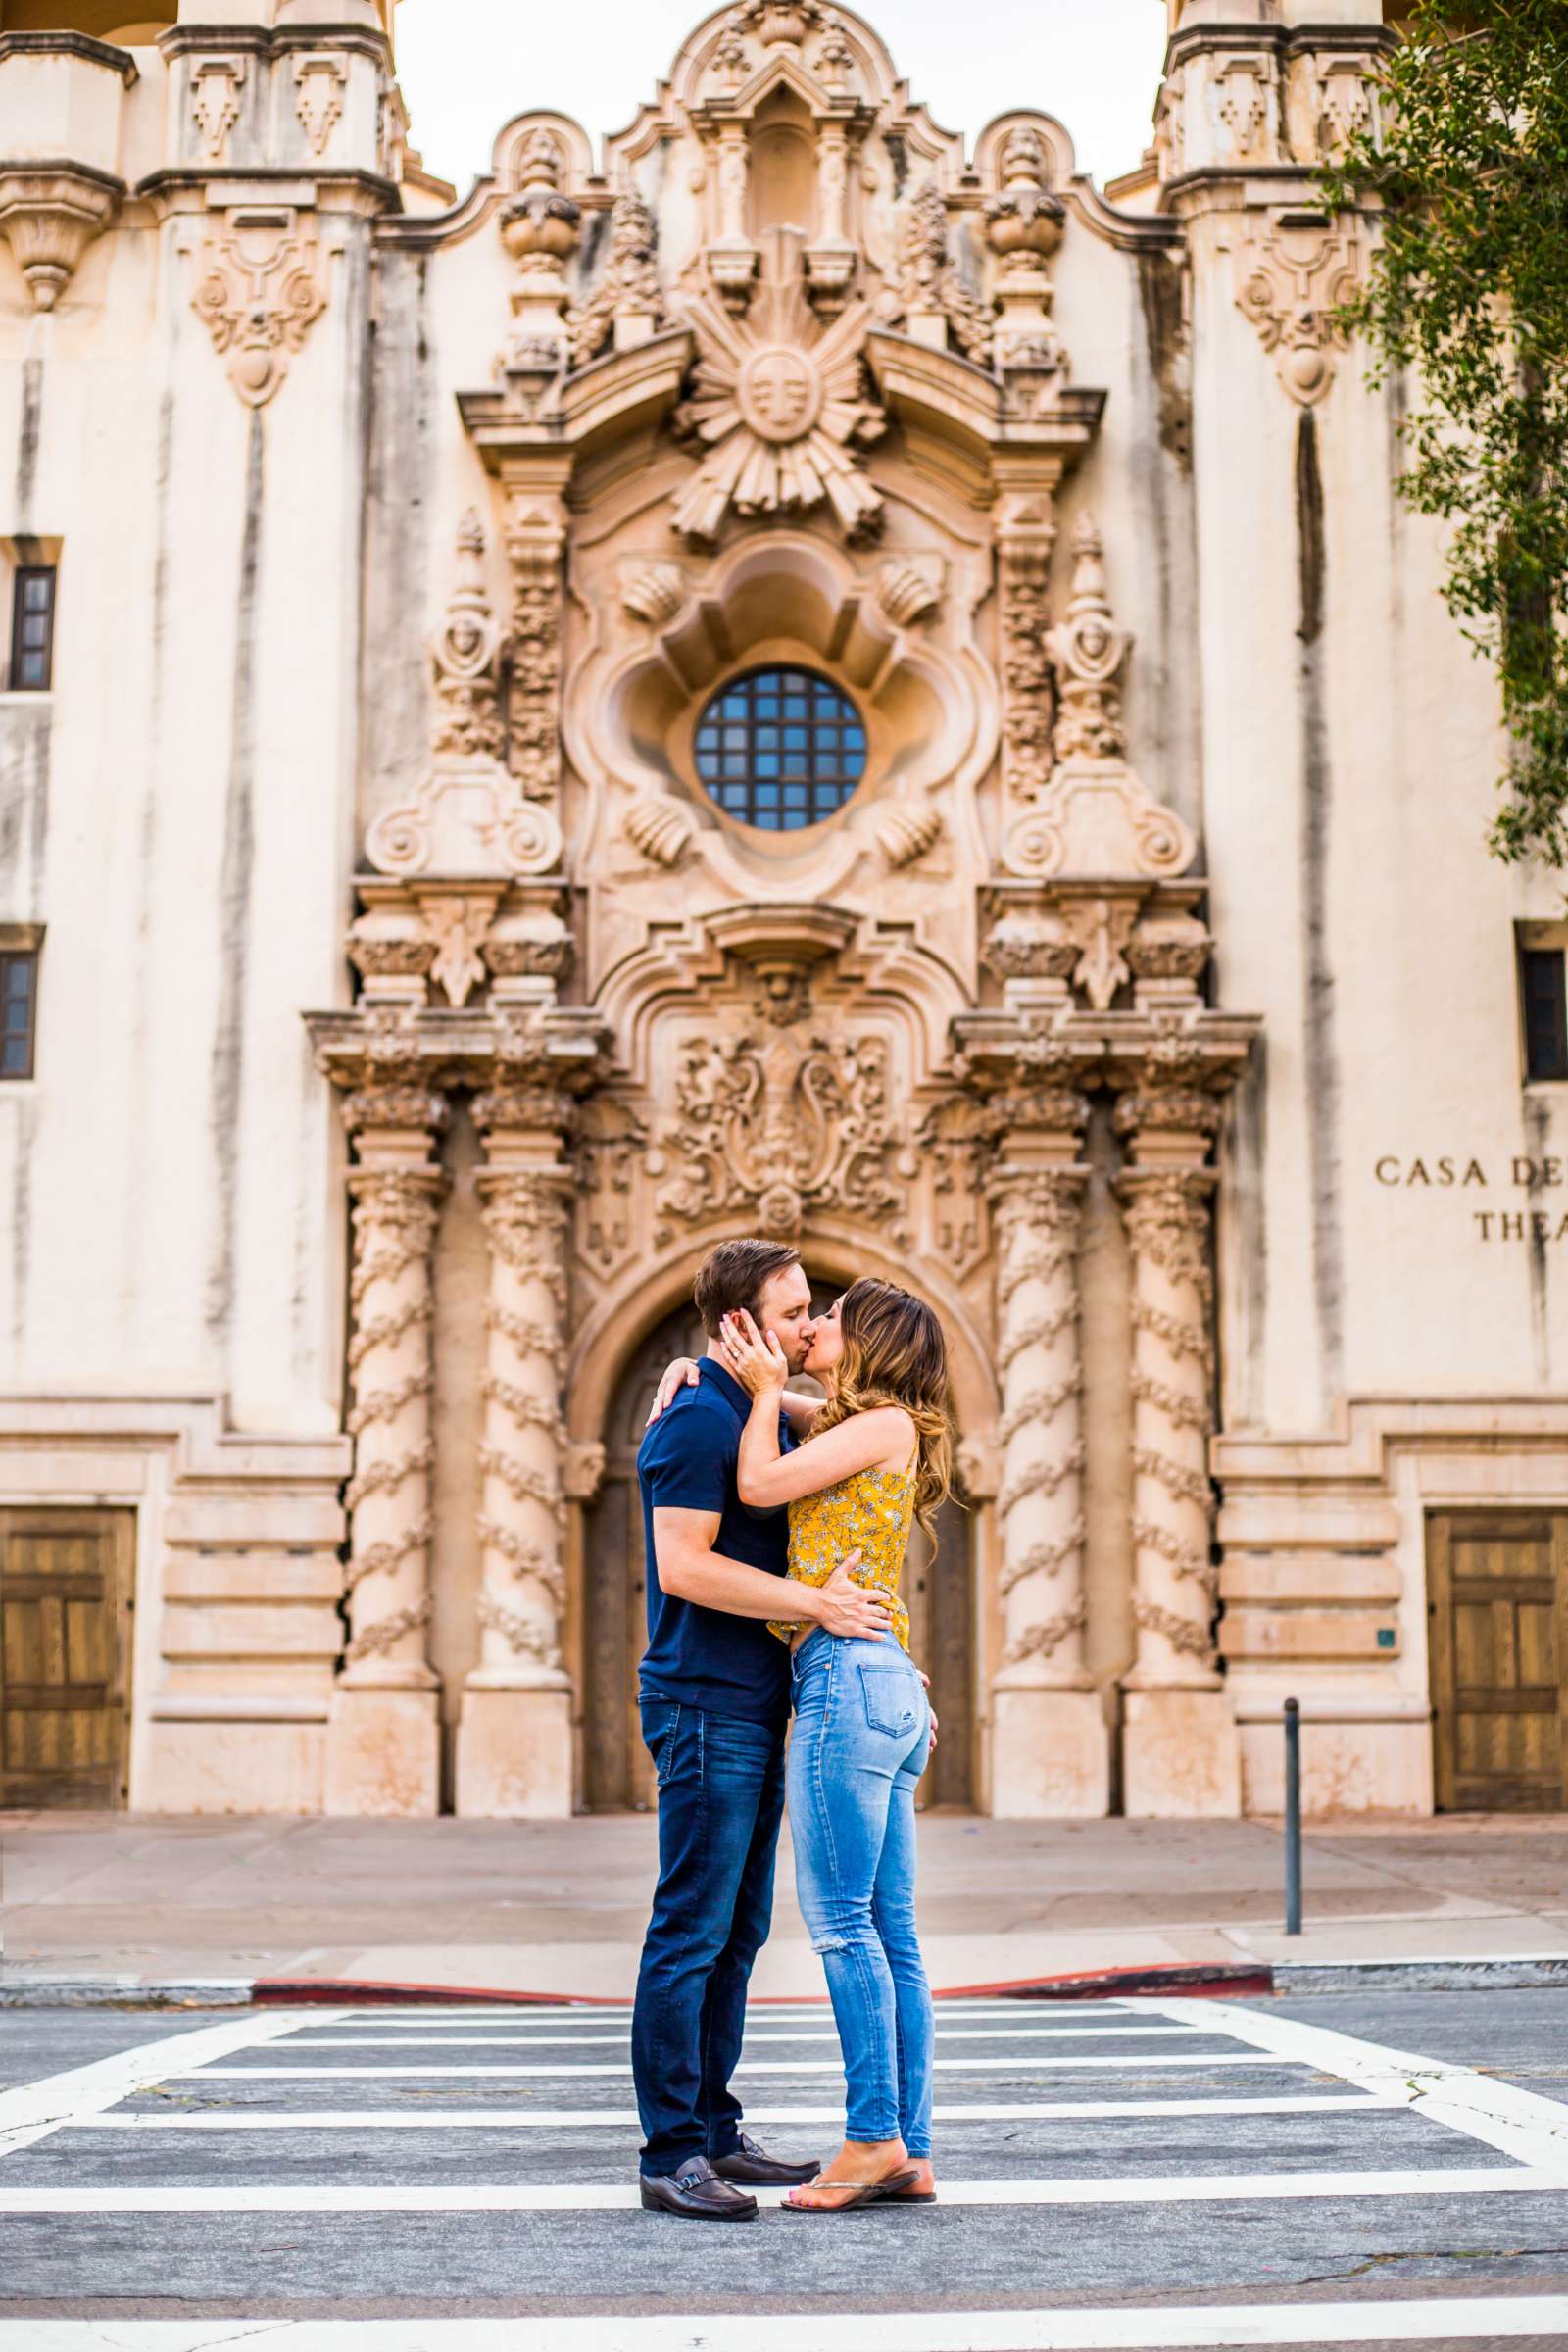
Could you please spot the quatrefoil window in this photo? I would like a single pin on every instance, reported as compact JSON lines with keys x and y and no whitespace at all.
{"x":780,"y":749}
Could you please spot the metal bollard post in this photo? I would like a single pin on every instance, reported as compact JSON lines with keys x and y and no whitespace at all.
{"x":1293,"y":1816}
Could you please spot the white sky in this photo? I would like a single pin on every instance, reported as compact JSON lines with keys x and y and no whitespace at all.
{"x":467,"y":66}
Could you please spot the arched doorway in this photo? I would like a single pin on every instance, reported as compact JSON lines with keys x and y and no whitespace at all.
{"x":617,"y":1776}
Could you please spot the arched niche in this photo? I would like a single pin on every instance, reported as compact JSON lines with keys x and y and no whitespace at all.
{"x":781,"y":185}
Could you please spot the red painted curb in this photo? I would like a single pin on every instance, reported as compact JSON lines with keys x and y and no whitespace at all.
{"x":1195,"y":1981}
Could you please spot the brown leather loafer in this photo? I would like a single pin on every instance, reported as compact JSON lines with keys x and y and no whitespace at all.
{"x":694,"y":2192}
{"x":755,"y":2165}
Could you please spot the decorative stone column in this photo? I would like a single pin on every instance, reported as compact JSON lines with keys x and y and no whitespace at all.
{"x":1181,"y":1754}
{"x":383,"y":1737}
{"x":515,"y":1738}
{"x":1051,"y":1751}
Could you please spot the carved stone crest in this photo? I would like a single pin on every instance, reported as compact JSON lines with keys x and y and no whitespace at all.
{"x":778,"y":1124}
{"x":1296,"y":281}
{"x":260,"y":294}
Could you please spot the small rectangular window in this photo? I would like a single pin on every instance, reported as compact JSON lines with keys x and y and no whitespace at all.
{"x":19,"y":1004}
{"x":1543,"y":989}
{"x":32,"y":629}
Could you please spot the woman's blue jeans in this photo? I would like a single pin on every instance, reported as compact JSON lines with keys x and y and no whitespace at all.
{"x":863,"y":1733}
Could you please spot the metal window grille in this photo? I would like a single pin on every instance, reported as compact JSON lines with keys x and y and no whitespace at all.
{"x":18,"y":1001}
{"x":32,"y":629}
{"x":780,"y":749}
{"x":1544,"y":987}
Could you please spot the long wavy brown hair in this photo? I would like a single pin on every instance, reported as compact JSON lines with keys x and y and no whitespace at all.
{"x":896,"y":1352}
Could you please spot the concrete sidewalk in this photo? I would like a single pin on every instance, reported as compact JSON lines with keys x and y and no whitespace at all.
{"x":560,"y":1907}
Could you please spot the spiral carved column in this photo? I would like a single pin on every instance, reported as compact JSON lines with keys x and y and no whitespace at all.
{"x":384,"y":1747}
{"x":1181,"y":1749}
{"x":514,"y":1738}
{"x":1051,"y":1755}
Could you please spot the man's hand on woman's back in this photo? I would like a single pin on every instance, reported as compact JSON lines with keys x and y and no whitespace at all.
{"x":855,"y":1612}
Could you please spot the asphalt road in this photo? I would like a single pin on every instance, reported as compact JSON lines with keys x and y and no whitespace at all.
{"x":1118,"y":2173}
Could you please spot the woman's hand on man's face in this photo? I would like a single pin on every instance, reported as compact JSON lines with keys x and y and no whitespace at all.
{"x":755,"y":1359}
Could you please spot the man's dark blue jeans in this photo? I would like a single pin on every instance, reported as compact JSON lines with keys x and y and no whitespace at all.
{"x":721,"y":1803}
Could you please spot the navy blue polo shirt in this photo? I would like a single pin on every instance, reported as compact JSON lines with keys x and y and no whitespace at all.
{"x":687,"y":1461}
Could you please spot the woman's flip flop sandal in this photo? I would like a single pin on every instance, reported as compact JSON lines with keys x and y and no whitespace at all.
{"x":889,"y":2191}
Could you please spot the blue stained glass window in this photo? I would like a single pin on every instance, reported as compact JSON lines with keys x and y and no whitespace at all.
{"x":780,"y":775}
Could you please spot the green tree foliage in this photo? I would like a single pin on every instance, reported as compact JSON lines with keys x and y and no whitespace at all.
{"x":1469,"y":292}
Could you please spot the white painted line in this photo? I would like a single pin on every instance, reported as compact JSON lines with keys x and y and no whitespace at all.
{"x":1188,"y":2328}
{"x":536,"y":2041}
{"x":563,"y":2119}
{"x":1151,"y":2188}
{"x":1518,"y":2123}
{"x":762,"y":2065}
{"x":34,"y":2110}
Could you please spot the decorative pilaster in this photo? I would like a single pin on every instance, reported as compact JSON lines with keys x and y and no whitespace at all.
{"x":515,"y":1736}
{"x":1051,"y":1746}
{"x":1181,"y":1751}
{"x":383,"y":1740}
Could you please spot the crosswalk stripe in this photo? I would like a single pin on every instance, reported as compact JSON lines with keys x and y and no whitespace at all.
{"x":1151,"y":2189}
{"x":537,"y":2041}
{"x":35,"y":2110}
{"x":1186,"y":2327}
{"x":506,"y":2118}
{"x":759,"y":2066}
{"x":1518,"y":2123}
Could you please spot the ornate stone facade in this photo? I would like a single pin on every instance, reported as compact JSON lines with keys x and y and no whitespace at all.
{"x":1095,"y":992}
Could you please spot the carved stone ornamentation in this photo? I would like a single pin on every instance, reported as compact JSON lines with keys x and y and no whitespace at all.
{"x":540,"y":226}
{"x":1093,"y":815}
{"x":778,"y":403}
{"x":659,"y":830}
{"x":1041,"y":1502}
{"x":319,"y":84}
{"x":906,"y":594}
{"x":50,"y":216}
{"x":1087,"y":651}
{"x":466,"y":654}
{"x":1026,"y":533}
{"x":780,"y":1125}
{"x":469,"y":817}
{"x":260,"y":292}
{"x":1167,"y":1226}
{"x":931,"y":293}
{"x":627,"y":301}
{"x":536,"y":535}
{"x":906,"y":834}
{"x":656,"y":593}
{"x":1293,"y":283}
{"x":1024,"y":226}
{"x":216,"y":83}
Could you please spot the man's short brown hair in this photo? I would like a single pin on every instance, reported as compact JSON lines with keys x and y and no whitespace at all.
{"x":733,"y":1277}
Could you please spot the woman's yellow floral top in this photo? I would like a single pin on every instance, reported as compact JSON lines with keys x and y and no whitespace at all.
{"x":870,"y":1513}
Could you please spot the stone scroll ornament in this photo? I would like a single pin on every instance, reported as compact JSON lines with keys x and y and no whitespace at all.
{"x":779,"y":404}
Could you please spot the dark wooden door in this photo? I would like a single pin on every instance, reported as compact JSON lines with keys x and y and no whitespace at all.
{"x":618,"y":1774}
{"x":64,"y":1603}
{"x":1498,"y":1603}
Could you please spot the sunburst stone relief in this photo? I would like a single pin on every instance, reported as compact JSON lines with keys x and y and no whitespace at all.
{"x":779,"y":401}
